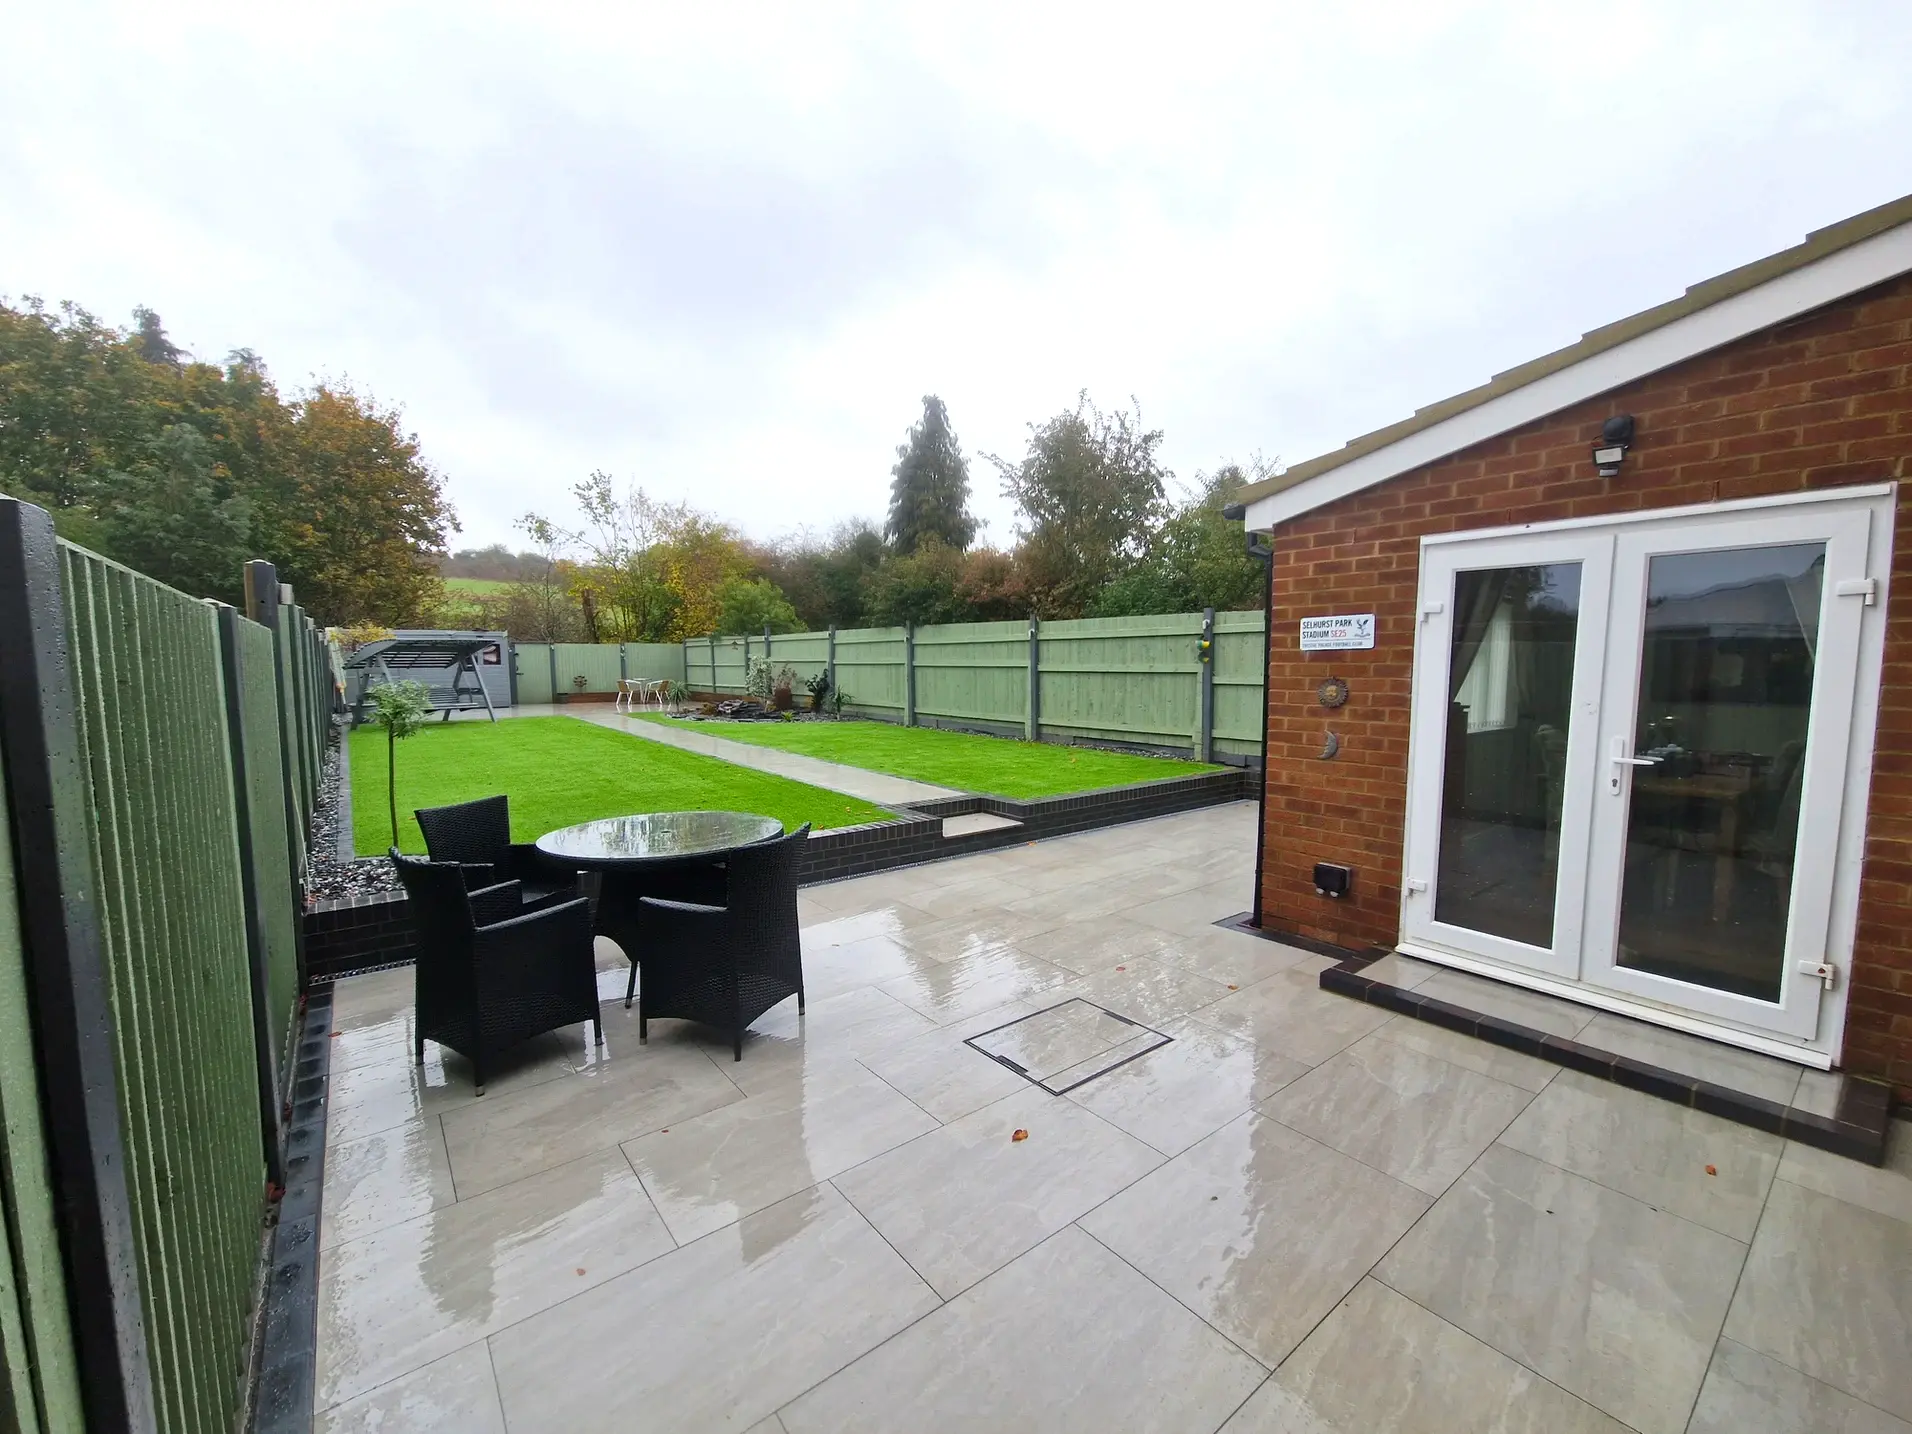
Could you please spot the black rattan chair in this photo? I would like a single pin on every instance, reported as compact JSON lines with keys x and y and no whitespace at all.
{"x":726,"y":965}
{"x":477,"y":835}
{"x":490,"y":974}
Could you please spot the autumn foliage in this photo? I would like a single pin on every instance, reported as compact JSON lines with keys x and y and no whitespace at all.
{"x":186,"y":469}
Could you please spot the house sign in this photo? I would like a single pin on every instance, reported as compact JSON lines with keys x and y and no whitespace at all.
{"x":1336,"y":634}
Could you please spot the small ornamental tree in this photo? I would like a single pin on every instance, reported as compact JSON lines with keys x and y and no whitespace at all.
{"x":401,"y":708}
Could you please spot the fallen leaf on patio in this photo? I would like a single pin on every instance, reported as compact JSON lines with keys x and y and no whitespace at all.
{"x":580,"y":1269}
{"x":1710,"y":1170}
{"x":1234,"y":988}
{"x":1019,"y":1135}
{"x":337,"y":1034}
{"x":1121,"y":968}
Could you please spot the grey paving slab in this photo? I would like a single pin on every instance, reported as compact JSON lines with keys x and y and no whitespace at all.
{"x":1613,"y":1300}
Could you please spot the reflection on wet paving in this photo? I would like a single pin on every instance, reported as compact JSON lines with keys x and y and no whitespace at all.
{"x":843,"y":1231}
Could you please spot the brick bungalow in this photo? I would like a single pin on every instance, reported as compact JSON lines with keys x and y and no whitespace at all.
{"x":1631,"y":722}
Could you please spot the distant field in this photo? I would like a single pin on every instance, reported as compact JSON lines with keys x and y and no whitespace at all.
{"x":476,"y":585}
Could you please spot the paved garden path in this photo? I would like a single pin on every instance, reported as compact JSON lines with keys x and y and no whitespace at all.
{"x":833,"y":776}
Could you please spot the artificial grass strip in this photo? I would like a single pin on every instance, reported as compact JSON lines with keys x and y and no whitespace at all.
{"x":999,"y":766}
{"x":559,"y":771}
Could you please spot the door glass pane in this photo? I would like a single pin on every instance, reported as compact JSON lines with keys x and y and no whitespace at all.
{"x":1510,"y":696}
{"x":1726,"y":672}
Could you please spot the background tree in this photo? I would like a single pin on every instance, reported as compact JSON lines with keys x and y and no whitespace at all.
{"x":751,"y":605}
{"x":352,"y":514}
{"x":175,"y":515}
{"x":923,"y":587}
{"x":171,"y":465}
{"x":824,"y":578}
{"x":1090,"y":492}
{"x":929,"y":486}
{"x":1195,"y":559}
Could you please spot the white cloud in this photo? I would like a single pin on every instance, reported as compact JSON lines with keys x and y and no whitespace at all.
{"x":725,"y":252}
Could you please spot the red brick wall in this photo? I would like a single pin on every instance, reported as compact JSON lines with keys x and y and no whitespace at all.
{"x":1820,"y":402}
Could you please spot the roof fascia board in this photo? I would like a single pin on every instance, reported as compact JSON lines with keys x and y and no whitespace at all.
{"x":1799,"y":291}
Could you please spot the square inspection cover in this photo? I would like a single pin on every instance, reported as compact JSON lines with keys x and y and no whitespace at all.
{"x":1067,"y":1045}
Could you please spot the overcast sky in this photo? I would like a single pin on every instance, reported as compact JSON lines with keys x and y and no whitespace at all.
{"x":724,"y":252}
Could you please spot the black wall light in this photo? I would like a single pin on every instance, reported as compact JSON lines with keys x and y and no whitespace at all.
{"x":1616,"y":436}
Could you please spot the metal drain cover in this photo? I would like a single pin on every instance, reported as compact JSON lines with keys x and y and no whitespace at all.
{"x":1067,"y":1045}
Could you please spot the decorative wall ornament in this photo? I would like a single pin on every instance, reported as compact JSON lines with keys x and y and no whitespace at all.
{"x":1330,"y":747}
{"x":1332,"y":692}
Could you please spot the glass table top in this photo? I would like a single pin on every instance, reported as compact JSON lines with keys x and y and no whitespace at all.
{"x":656,"y":836}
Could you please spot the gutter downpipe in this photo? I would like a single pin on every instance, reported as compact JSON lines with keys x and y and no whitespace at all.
{"x":1261,"y":552}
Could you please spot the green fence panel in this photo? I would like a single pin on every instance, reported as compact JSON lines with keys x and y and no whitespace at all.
{"x":596,"y":663}
{"x":534,"y":671}
{"x":804,"y":653}
{"x":1238,"y":682}
{"x":973,"y":672}
{"x":727,"y":674}
{"x":165,"y":846}
{"x":699,"y":671}
{"x":870,"y":668}
{"x":1121,"y":679}
{"x":1134,"y":679}
{"x":271,"y":858}
{"x":654,"y":661}
{"x":41,"y":1371}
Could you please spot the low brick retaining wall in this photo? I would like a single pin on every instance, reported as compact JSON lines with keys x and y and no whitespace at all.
{"x":362,"y":932}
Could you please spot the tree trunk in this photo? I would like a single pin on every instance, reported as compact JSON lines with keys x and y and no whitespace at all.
{"x":391,"y":779}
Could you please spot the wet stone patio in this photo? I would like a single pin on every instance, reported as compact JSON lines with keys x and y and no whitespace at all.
{"x":1300,"y":1214}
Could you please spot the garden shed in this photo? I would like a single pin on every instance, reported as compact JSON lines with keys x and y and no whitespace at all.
{"x":1593,"y":679}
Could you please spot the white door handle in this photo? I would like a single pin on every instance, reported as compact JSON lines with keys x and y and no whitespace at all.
{"x":1621,"y":758}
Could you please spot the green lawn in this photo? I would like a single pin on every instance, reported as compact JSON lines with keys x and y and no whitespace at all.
{"x":996,"y":765}
{"x":558,"y":771}
{"x":476,"y":585}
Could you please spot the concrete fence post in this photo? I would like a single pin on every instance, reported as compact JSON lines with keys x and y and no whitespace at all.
{"x":830,"y":658}
{"x":1205,"y":734}
{"x":909,"y":674}
{"x":1032,"y":719}
{"x":623,"y":663}
{"x":551,"y":655}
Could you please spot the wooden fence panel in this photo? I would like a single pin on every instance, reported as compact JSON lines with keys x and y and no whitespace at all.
{"x":804,"y":653}
{"x":869,"y":664}
{"x":729,"y":671}
{"x":1123,"y":679}
{"x":596,"y":663}
{"x":654,"y":661}
{"x":166,"y":851}
{"x":974,"y":672}
{"x":37,"y":1358}
{"x":271,"y":857}
{"x":1239,"y":710}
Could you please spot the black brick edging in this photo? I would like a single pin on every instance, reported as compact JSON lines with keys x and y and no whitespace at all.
{"x":287,"y":1358}
{"x":355,"y":933}
{"x":1857,"y":1129}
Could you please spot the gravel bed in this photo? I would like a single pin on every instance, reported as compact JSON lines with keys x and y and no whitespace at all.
{"x":326,"y":877}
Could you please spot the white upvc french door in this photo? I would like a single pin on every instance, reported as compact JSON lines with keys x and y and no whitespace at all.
{"x":1726,"y":723}
{"x":1633,"y":749}
{"x":1506,"y":684}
